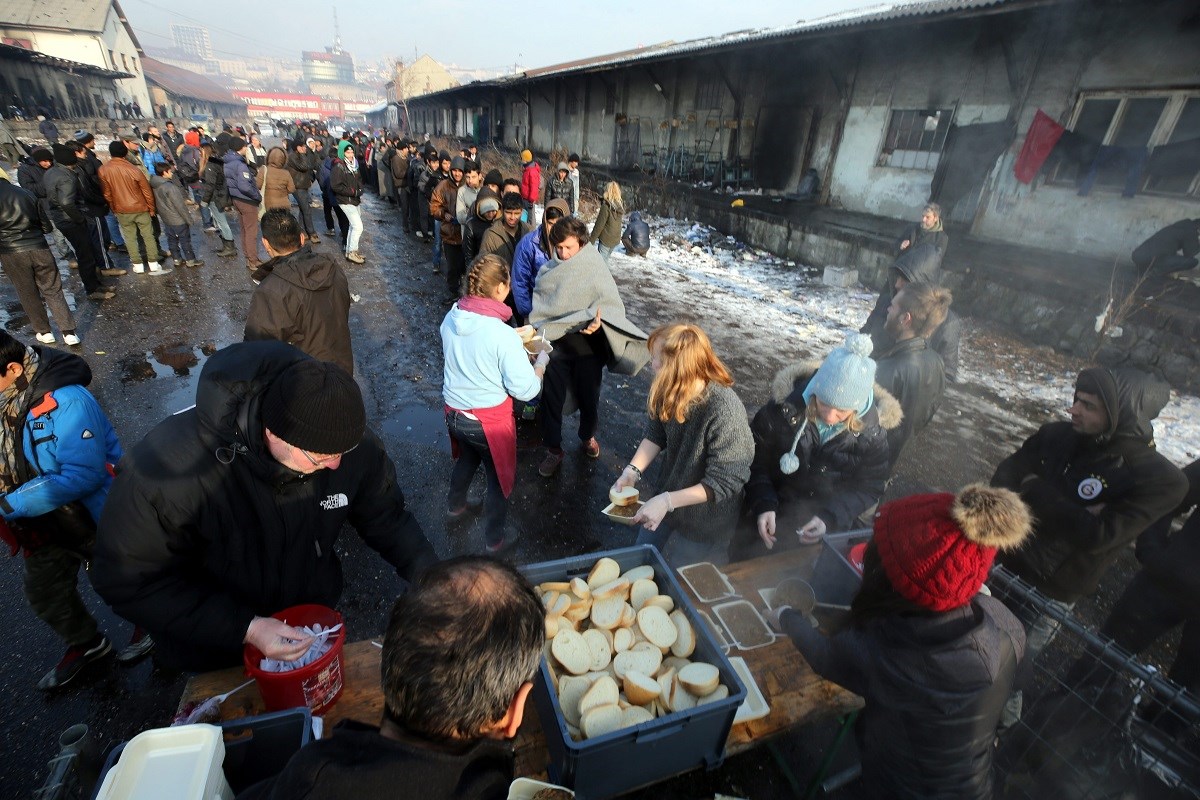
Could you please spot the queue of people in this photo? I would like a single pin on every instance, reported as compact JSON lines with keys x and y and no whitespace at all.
{"x":229,"y":511}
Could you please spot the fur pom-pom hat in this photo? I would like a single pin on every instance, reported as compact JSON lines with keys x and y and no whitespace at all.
{"x":937,"y":549}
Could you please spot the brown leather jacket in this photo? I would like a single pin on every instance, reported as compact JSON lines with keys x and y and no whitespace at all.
{"x":441,"y":207}
{"x":126,"y":189}
{"x":279,"y":183}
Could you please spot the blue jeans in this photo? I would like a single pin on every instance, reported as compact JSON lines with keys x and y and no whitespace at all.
{"x":604,"y":251}
{"x":205,"y":214}
{"x":473,"y":452}
{"x":679,"y":551}
{"x":114,"y":230}
{"x":437,"y":243}
{"x":218,"y":219}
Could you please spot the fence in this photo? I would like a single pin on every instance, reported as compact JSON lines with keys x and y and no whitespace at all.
{"x":1095,"y":722}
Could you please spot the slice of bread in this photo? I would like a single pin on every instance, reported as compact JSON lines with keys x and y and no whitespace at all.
{"x":615,"y":588}
{"x":628,"y":616}
{"x":580,"y":589}
{"x":666,"y":679}
{"x":599,"y":647}
{"x":661,"y":601}
{"x":685,"y":642}
{"x":681,"y":699}
{"x":552,"y":625}
{"x":570,"y":690}
{"x":641,"y":591}
{"x":571,"y":651}
{"x":607,"y":613}
{"x":636,"y":715}
{"x":657,"y":627}
{"x":622,"y":639}
{"x":640,"y":688}
{"x":603,"y":571}
{"x":699,"y":678}
{"x":646,"y":660}
{"x":601,"y":693}
{"x":602,"y":719}
{"x":720,"y":693}
{"x":624,"y":497}
{"x":637,"y":573}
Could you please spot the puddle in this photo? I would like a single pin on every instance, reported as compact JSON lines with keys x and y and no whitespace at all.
{"x":416,"y":425}
{"x":179,"y":363}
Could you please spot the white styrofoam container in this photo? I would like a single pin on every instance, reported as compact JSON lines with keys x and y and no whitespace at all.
{"x":183,"y":763}
{"x":840,"y":276}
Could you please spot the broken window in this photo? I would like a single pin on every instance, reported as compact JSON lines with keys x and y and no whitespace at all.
{"x":1186,"y":129}
{"x":915,"y":138}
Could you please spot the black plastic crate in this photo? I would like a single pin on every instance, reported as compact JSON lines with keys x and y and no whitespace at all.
{"x":643,"y":754}
{"x":256,"y":748}
{"x":834,"y":580}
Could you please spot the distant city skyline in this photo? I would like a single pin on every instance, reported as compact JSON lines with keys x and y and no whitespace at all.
{"x":497,"y":41}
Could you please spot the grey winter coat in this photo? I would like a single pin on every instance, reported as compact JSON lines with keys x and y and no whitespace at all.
{"x":168,"y":201}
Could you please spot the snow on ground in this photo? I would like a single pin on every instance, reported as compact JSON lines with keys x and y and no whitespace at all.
{"x":785,"y":302}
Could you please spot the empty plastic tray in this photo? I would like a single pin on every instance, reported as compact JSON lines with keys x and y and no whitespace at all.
{"x":755,"y":705}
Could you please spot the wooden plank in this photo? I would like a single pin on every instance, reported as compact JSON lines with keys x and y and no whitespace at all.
{"x":796,"y":695}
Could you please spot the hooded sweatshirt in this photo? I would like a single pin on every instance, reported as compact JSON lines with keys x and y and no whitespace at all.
{"x":1091,"y":496}
{"x":275,"y":180}
{"x":484,"y":362}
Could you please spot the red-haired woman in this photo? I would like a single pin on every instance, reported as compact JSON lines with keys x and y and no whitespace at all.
{"x":698,"y":424}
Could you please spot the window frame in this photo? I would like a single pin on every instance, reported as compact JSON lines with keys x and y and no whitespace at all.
{"x":1161,"y":134}
{"x":884,"y":156}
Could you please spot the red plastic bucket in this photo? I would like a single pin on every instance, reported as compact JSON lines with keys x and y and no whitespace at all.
{"x":317,"y":685}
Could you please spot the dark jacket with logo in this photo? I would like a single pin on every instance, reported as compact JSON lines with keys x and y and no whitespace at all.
{"x":23,"y":220}
{"x":837,"y":480}
{"x":239,"y":179}
{"x":914,"y":375}
{"x":934,"y":684}
{"x":357,"y":761}
{"x":303,"y":299}
{"x":204,"y":530}
{"x":1061,"y":474}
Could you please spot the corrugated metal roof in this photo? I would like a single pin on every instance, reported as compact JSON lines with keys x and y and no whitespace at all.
{"x":856,"y":18}
{"x":182,"y":83}
{"x":21,"y":54}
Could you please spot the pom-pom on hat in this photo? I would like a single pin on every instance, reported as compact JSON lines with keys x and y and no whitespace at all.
{"x":846,"y":378}
{"x":316,"y":406}
{"x":937,"y":549}
{"x":526,"y":156}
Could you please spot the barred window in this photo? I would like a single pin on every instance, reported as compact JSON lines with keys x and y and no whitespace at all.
{"x":915,"y":138}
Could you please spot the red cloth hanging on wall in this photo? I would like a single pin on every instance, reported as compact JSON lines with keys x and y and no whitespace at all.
{"x":1043,"y":134}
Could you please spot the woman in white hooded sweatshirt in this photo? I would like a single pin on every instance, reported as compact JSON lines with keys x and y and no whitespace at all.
{"x":486,"y":366}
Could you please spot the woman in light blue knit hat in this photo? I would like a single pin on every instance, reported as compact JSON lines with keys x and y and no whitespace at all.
{"x":821,"y":453}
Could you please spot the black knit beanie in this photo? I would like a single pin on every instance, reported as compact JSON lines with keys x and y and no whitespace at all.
{"x":64,"y":155}
{"x":493,"y":177}
{"x":316,"y":406}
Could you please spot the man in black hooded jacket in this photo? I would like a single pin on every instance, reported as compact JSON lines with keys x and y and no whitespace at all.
{"x":1093,"y":485}
{"x":230,"y":512}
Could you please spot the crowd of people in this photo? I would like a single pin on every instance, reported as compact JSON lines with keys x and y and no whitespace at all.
{"x":230,"y":511}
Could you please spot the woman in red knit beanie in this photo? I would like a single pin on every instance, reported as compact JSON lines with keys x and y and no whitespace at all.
{"x":933,"y":658}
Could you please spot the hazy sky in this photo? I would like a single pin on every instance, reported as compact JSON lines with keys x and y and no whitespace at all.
{"x":470,"y":34}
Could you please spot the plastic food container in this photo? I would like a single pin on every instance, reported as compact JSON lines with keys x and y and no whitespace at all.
{"x":258,"y":748}
{"x":745,"y":627}
{"x":626,"y":759}
{"x":707,"y":582}
{"x":527,"y":788}
{"x":183,"y":763}
{"x":317,"y":685}
{"x":611,"y":512}
{"x":755,"y":705}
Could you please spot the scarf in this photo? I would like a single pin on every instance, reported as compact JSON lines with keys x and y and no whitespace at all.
{"x":352,"y":164}
{"x":486,"y":307}
{"x":14,"y":406}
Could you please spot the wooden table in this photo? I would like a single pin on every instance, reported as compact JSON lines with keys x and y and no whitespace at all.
{"x":796,"y":695}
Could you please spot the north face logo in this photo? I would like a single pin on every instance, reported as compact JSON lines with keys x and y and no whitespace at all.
{"x":338,"y":500}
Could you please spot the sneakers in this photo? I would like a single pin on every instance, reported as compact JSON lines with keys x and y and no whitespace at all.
{"x":330,"y":232}
{"x":138,"y":269}
{"x":140,"y":645}
{"x":113,"y":272}
{"x":211,"y":229}
{"x":315,"y":239}
{"x":592,"y":448}
{"x":46,"y":338}
{"x":355,"y":257}
{"x":157,"y":269}
{"x":474,"y":509}
{"x":550,"y":463}
{"x":74,"y":661}
{"x":102,"y":294}
{"x":70,"y":339}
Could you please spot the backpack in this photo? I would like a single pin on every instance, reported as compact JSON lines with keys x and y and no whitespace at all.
{"x":187,"y":167}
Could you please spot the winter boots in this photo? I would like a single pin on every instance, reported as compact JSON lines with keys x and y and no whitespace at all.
{"x":227,"y":249}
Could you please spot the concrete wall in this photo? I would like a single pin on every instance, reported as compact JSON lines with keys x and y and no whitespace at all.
{"x":1146,"y":46}
{"x":89,"y":91}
